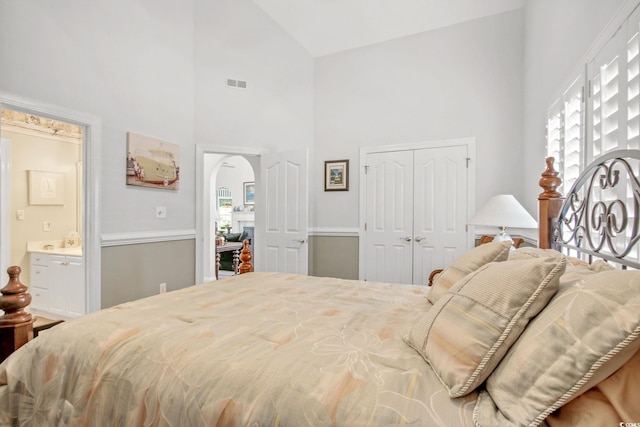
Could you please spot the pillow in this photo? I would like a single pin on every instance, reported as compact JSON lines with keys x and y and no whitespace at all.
{"x":467,"y":263}
{"x":531,"y":252}
{"x":471,"y":327}
{"x":585,"y":333}
{"x":600,"y":404}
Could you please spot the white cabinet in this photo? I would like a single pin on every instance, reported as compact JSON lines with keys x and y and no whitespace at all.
{"x":57,"y":283}
{"x":39,"y":271}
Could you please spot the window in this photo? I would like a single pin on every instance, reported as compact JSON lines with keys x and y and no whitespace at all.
{"x":584,"y":124}
{"x":225,"y":207}
{"x":599,"y":112}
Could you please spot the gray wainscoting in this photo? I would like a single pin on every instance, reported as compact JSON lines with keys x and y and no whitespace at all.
{"x":334,"y":256}
{"x":135,"y":271}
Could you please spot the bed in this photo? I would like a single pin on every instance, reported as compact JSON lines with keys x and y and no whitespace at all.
{"x":504,"y":337}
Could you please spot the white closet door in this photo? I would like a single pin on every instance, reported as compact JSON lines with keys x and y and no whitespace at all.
{"x":416,"y":212}
{"x":389,"y":217}
{"x":440,"y":209}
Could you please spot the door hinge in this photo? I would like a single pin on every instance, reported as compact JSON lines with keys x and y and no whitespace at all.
{"x":468,"y":159}
{"x":366,"y":169}
{"x":365,"y":226}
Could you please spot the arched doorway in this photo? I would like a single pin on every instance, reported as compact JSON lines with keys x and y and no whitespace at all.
{"x":214,"y":162}
{"x":233,"y":207}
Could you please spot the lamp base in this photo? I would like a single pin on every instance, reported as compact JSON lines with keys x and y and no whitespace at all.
{"x":503,"y":236}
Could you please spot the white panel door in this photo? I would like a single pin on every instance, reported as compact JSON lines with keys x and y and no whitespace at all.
{"x":389,"y":217}
{"x":440,"y":209}
{"x":416,"y":212}
{"x":284,"y":178}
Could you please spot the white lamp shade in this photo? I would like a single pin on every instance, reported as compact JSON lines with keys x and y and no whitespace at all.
{"x":503,"y":210}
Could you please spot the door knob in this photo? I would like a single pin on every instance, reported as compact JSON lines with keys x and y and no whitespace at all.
{"x":418,"y":238}
{"x":300,"y":240}
{"x":406,"y":238}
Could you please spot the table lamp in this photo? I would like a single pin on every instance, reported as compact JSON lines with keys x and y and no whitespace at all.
{"x":502,"y":211}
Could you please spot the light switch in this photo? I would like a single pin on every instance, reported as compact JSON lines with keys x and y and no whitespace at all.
{"x":46,"y":226}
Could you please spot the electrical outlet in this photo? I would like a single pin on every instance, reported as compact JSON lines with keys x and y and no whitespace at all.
{"x":163,"y":288}
{"x":20,"y":214}
{"x":161,"y":212}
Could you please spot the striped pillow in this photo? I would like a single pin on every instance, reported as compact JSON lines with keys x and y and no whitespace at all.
{"x":468,"y":263}
{"x":468,"y":331}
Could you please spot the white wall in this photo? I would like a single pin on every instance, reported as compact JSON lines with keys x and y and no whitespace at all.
{"x":128,"y":62}
{"x":460,"y":81}
{"x":558,"y":35}
{"x":133,"y":64}
{"x":237,"y":40}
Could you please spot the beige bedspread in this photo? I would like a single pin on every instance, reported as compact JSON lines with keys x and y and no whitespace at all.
{"x":257,"y":349}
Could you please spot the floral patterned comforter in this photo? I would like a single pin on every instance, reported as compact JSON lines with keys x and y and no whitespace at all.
{"x":256,"y":349}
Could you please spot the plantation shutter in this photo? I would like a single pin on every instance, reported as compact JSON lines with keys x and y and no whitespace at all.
{"x":605,"y":99}
{"x":573,"y":132}
{"x":555,"y":138}
{"x":633,"y":81}
{"x":565,"y":130}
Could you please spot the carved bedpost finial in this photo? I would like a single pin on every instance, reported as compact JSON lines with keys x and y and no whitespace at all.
{"x":245,"y":258}
{"x":14,"y":299}
{"x":550,"y":181}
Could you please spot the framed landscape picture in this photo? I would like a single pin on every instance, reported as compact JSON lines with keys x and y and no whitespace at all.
{"x":336,"y":175}
{"x":249,"y":193}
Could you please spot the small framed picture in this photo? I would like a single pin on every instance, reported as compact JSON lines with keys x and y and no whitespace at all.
{"x":249,"y":191}
{"x":336,"y":175}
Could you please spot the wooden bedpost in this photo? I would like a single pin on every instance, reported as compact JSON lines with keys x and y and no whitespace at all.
{"x":550,"y":202}
{"x":16,"y":325}
{"x":245,"y":259}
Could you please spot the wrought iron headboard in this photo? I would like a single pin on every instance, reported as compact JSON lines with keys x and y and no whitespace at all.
{"x":599,"y":217}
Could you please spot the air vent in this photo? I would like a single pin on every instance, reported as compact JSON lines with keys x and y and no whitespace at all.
{"x":237,"y":83}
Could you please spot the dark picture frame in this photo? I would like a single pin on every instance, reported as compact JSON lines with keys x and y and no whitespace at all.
{"x":336,"y":175}
{"x":249,"y":192}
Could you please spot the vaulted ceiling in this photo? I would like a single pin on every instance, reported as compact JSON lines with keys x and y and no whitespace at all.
{"x":329,"y":26}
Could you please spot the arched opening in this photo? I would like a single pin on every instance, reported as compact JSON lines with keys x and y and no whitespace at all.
{"x":232,"y":208}
{"x":234,"y":172}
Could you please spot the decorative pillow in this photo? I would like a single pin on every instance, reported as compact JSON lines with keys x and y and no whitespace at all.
{"x":585,"y":333}
{"x":528,"y":252}
{"x":600,"y":405}
{"x":467,"y":263}
{"x":471,"y":327}
{"x":531,"y":252}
